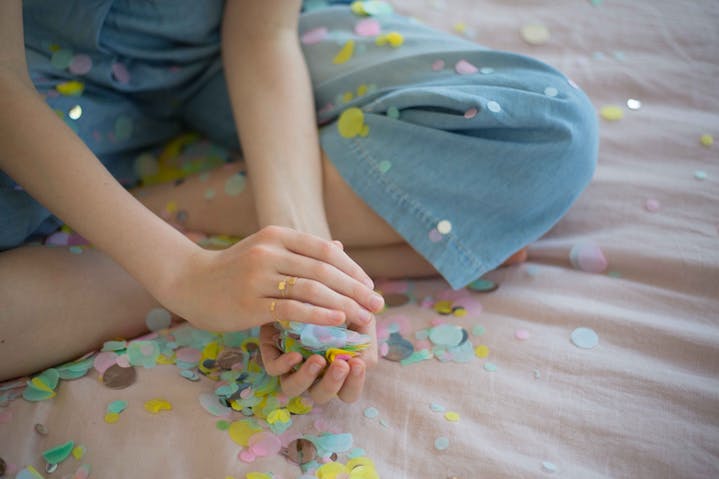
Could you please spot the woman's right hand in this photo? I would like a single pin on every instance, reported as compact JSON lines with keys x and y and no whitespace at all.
{"x":239,"y":287}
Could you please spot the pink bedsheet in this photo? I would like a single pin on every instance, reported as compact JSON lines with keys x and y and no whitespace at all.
{"x":643,"y":403}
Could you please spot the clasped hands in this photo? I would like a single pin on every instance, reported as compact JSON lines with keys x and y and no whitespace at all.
{"x":242,"y":287}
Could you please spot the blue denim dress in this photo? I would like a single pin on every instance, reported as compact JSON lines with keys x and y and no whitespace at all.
{"x":469,"y":153}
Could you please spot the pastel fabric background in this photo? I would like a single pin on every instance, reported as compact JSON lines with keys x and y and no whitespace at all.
{"x":643,"y":403}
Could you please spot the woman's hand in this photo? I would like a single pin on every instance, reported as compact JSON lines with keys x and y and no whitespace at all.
{"x":239,"y":287}
{"x":343,"y":379}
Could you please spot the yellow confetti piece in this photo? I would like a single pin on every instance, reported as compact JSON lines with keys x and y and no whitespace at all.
{"x":299,"y":405}
{"x":481,"y":351}
{"x":359,"y":461}
{"x":154,"y":406}
{"x":395,"y":39}
{"x":112,"y":417}
{"x":39,"y":384}
{"x":365,"y":131}
{"x":281,"y":415}
{"x":241,"y":431}
{"x":535,"y":34}
{"x":358,"y":8}
{"x":362,"y":89}
{"x":70,"y":88}
{"x":331,"y":470}
{"x":171,"y":207}
{"x":54,"y":47}
{"x":162,"y":359}
{"x":351,"y":122}
{"x":345,"y":53}
{"x":443,"y":307}
{"x":706,"y":140}
{"x":257,"y":475}
{"x":347,"y":97}
{"x":460,"y":27}
{"x":78,"y":452}
{"x":451,"y":416}
{"x":611,"y":112}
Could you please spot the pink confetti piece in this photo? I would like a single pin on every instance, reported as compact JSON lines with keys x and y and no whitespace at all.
{"x":104,"y":360}
{"x":588,"y":257}
{"x":264,"y":444}
{"x":521,"y":334}
{"x":471,"y":113}
{"x":652,"y":205}
{"x":188,"y":355}
{"x":463,"y":67}
{"x":438,"y":65}
{"x":314,"y":36}
{"x":368,"y":27}
{"x":435,"y":236}
{"x":80,"y":65}
{"x":120,"y":73}
{"x":58,"y":239}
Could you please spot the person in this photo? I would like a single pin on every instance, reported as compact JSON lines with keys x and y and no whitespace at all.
{"x":371,"y":145}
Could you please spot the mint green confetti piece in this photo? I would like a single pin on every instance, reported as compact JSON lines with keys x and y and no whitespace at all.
{"x":114,"y":345}
{"x":416,"y":357}
{"x":356,"y":452}
{"x":222,"y":425}
{"x":143,"y":353}
{"x":549,"y":466}
{"x":57,"y":454}
{"x":50,"y":377}
{"x":32,"y":394}
{"x":117,"y":406}
{"x":371,"y":412}
{"x":478,"y":330}
{"x":441,"y":443}
{"x":75,"y":369}
{"x":383,"y":423}
{"x":384,"y":166}
{"x":123,"y":128}
{"x":585,"y":338}
{"x":437,"y":407}
{"x":61,"y":59}
{"x":75,"y":249}
{"x":235,"y":184}
{"x":491,"y":367}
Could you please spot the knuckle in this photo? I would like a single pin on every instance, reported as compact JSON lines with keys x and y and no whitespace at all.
{"x":326,"y":249}
{"x":322,"y":270}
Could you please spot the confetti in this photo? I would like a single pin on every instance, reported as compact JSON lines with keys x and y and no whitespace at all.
{"x":314,"y":36}
{"x":551,"y":91}
{"x":57,"y":454}
{"x":652,"y":205}
{"x":483,"y":285}
{"x":235,"y":184}
{"x":441,"y":443}
{"x":371,"y":413}
{"x":120,"y":73}
{"x":611,"y":112}
{"x":368,"y":27}
{"x":70,"y":88}
{"x":451,"y":416}
{"x":111,"y":417}
{"x":521,"y":334}
{"x":463,"y":67}
{"x":491,"y":367}
{"x":75,"y":112}
{"x":634,"y":104}
{"x":61,"y":59}
{"x":158,"y":319}
{"x":345,"y":53}
{"x":481,"y":351}
{"x":393,"y":112}
{"x":80,"y":64}
{"x":585,"y":338}
{"x":471,"y":113}
{"x":351,"y":123}
{"x":700,"y":175}
{"x":444,"y":227}
{"x":588,"y":256}
{"x":494,"y":107}
{"x":535,"y":34}
{"x":706,"y":140}
{"x":549,"y":466}
{"x":154,"y":406}
{"x":436,"y":407}
{"x":384,"y":166}
{"x":437,"y":65}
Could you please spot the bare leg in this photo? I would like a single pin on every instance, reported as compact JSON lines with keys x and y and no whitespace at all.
{"x":58,"y":305}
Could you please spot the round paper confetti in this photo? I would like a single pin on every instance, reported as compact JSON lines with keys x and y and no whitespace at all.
{"x":491,"y":367}
{"x":441,"y":443}
{"x":314,"y":36}
{"x":123,"y":128}
{"x":521,"y":334}
{"x":345,"y":53}
{"x":371,"y":413}
{"x":80,"y":65}
{"x":75,"y":112}
{"x":112,"y":417}
{"x":463,"y":67}
{"x":551,"y":91}
{"x":157,"y":319}
{"x":444,"y":227}
{"x":471,"y":113}
{"x":633,"y":104}
{"x":481,"y":351}
{"x":434,"y":235}
{"x":393,"y":112}
{"x":700,"y":175}
{"x":549,"y":466}
{"x":75,"y":249}
{"x":652,"y":205}
{"x":235,"y":184}
{"x":436,"y":407}
{"x":438,"y":65}
{"x":61,"y":59}
{"x":486,"y":70}
{"x":384,"y":166}
{"x":451,"y":416}
{"x":706,"y":140}
{"x":209,"y":193}
{"x":585,"y":338}
{"x":494,"y":107}
{"x":351,"y":122}
{"x":535,"y":34}
{"x":611,"y":112}
{"x":368,"y":27}
{"x":120,"y":73}
{"x":117,"y":406}
{"x":588,"y":257}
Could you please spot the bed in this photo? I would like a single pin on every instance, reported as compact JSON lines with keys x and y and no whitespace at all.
{"x":596,"y":358}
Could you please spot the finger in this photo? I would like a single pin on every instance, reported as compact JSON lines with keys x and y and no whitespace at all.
{"x":275,"y":362}
{"x":352,"y":388}
{"x":296,"y":383}
{"x":333,"y":278}
{"x":294,"y":310}
{"x":326,"y":251}
{"x":318,"y":294}
{"x":339,"y":243}
{"x":331,"y":382}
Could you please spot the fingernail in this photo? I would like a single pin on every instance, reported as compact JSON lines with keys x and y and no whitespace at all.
{"x":376,"y":301}
{"x":315,"y":368}
{"x":365,"y":316}
{"x":357,"y":371}
{"x":337,"y":316}
{"x":338,"y":374}
{"x":369,"y":283}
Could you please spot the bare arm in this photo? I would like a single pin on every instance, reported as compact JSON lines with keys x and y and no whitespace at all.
{"x":273,"y":106}
{"x":63,"y":174}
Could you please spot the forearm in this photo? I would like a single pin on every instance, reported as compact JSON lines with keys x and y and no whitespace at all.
{"x":273,"y":105}
{"x":44,"y":156}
